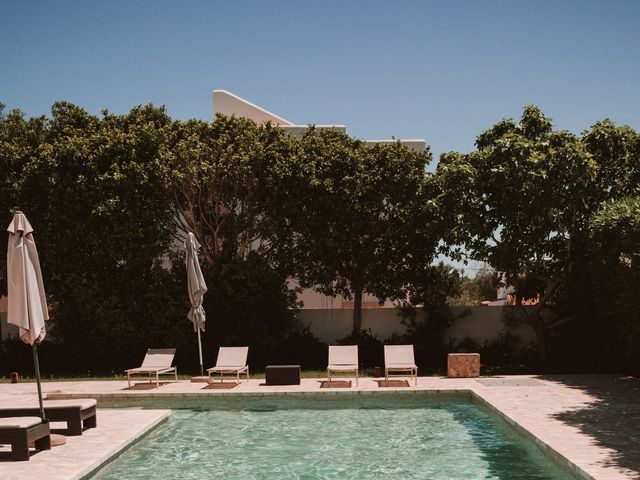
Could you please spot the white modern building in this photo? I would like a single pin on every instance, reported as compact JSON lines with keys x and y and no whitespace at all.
{"x":227,"y":103}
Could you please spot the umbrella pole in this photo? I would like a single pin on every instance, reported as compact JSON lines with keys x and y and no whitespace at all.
{"x":37,"y":367}
{"x":200,"y":352}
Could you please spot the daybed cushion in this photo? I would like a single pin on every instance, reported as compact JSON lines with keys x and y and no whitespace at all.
{"x":83,"y":403}
{"x":19,"y":422}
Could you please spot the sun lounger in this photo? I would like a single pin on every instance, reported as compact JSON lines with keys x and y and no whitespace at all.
{"x":156,"y":362}
{"x":231,"y":360}
{"x":343,"y":358}
{"x":399,"y":358}
{"x":19,"y":431}
{"x":76,"y":413}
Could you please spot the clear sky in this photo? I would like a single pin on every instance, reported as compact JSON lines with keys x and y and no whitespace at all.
{"x":443,"y":71}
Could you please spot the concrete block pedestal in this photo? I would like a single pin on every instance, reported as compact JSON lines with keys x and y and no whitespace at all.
{"x":463,"y":365}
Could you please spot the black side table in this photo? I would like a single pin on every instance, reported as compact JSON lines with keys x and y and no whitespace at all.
{"x":282,"y":374}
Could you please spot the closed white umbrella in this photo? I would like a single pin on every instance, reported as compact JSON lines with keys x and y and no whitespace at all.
{"x":197,"y":288}
{"x":26,"y":304}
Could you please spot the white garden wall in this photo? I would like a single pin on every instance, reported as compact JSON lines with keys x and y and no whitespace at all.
{"x":482,"y":323}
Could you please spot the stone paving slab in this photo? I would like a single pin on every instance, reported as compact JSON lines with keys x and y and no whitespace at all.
{"x":510,"y":382}
{"x":81,"y":455}
{"x":590,"y":424}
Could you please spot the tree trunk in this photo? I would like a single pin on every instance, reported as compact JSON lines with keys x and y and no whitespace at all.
{"x":543,"y":334}
{"x":357,"y":312}
{"x":541,"y":328}
{"x":535,"y":320}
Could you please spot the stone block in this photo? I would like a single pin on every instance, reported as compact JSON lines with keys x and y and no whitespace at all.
{"x":463,"y":365}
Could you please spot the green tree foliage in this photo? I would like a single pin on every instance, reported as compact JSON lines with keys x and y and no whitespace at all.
{"x":601,"y":290}
{"x":604,"y":291}
{"x":615,"y":229}
{"x":250,"y":304}
{"x":427,"y":315}
{"x":226,"y":176}
{"x":95,"y":190}
{"x":521,"y":202}
{"x":362,"y":218}
{"x":20,"y":140}
{"x":486,"y":283}
{"x":483,"y":286}
{"x":616,"y":233}
{"x":525,"y":200}
{"x":112,"y":196}
{"x":227,"y":179}
{"x":616,"y":149}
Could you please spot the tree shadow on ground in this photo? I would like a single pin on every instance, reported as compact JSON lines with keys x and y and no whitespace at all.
{"x":611,"y":418}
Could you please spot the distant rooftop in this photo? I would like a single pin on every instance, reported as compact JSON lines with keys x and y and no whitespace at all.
{"x":227,"y":103}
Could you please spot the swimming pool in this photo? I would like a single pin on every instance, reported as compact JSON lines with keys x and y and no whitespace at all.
{"x":355,"y":439}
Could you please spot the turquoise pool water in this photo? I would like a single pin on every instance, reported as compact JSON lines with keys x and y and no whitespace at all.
{"x":370,"y":439}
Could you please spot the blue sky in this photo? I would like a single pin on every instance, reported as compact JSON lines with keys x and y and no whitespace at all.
{"x":443,"y":71}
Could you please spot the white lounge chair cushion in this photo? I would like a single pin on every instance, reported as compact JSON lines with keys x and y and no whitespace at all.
{"x":83,"y":403}
{"x":157,"y":358}
{"x":343,"y":357}
{"x":232,"y":357}
{"x":19,"y":422}
{"x":399,"y":356}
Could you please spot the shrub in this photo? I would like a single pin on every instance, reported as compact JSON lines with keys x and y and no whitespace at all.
{"x":370,"y":348}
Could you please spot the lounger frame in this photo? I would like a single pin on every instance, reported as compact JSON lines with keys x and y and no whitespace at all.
{"x":237,"y":364}
{"x":405,"y":366}
{"x":405,"y":372}
{"x":19,"y":439}
{"x":230,"y":371}
{"x":338,"y":355}
{"x":75,"y":416}
{"x":153,"y":372}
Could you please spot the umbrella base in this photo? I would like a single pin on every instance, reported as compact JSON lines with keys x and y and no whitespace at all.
{"x":56,"y":440}
{"x":200,"y":379}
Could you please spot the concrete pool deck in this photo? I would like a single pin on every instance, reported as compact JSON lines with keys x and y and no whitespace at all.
{"x":82,"y":455}
{"x":590,"y":424}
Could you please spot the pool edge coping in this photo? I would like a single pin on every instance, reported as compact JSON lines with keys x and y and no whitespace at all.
{"x":137,"y":400}
{"x":551,"y":453}
{"x":102,"y":462}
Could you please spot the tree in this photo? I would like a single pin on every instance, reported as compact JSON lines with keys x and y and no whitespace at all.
{"x":521,"y":202}
{"x":20,"y":140}
{"x":226,"y":174}
{"x":226,"y":183}
{"x":95,"y":190}
{"x":604,"y":290}
{"x":615,"y":229}
{"x":483,"y":286}
{"x":434,"y":290}
{"x":362,"y":218}
{"x":616,"y":150}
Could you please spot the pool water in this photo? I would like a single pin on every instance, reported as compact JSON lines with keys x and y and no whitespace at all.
{"x":370,"y":439}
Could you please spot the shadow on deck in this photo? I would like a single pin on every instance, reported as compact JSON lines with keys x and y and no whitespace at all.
{"x":613,"y":420}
